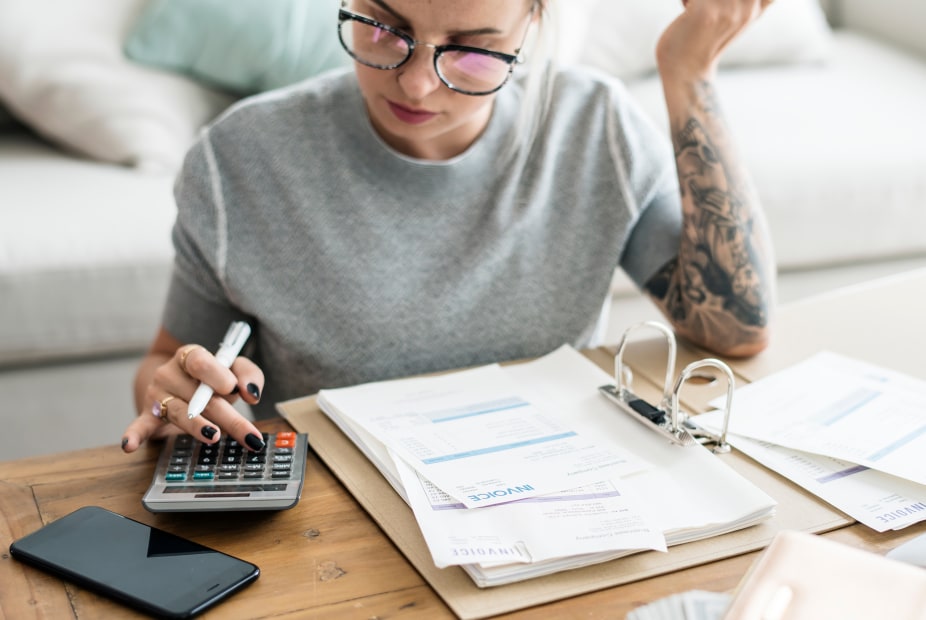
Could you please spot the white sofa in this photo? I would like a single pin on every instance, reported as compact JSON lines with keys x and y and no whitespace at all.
{"x":837,"y":148}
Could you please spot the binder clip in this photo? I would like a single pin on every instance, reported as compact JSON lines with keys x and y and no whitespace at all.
{"x":666,"y":417}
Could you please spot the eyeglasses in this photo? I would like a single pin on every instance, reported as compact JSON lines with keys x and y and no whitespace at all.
{"x":464,"y":69}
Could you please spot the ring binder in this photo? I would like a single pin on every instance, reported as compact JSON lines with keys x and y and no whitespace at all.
{"x":666,"y":418}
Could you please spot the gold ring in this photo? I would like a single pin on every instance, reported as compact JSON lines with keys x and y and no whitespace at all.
{"x":183,"y":354}
{"x":159,"y":409}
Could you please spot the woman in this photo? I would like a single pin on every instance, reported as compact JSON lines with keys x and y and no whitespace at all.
{"x":426,"y":212}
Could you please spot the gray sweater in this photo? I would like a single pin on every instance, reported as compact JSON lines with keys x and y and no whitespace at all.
{"x":356,"y":263}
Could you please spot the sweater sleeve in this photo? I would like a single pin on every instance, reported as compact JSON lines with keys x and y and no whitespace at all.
{"x":655,"y":237}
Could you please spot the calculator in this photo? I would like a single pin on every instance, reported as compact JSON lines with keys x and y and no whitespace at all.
{"x":194,"y":477}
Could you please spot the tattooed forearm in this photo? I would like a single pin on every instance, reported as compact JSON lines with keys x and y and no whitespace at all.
{"x":717,"y":291}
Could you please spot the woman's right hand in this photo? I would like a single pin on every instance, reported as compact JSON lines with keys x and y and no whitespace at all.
{"x":165,"y":383}
{"x":691,"y":46}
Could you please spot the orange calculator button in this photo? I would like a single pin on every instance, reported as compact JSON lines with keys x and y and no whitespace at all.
{"x":285,"y":440}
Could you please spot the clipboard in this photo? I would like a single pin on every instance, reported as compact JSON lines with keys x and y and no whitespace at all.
{"x":797,"y":510}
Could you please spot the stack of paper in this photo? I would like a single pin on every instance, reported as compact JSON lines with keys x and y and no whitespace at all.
{"x":526,"y":470}
{"x":850,"y":432}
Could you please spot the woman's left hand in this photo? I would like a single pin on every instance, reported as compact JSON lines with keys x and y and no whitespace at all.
{"x":691,"y":46}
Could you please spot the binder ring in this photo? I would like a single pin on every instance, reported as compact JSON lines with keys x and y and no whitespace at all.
{"x":670,"y":363}
{"x":720,"y":443}
{"x":666,"y":418}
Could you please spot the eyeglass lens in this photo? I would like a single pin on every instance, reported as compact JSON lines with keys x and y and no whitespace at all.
{"x":462,"y":70}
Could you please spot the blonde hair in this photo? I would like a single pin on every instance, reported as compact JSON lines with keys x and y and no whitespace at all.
{"x":538,"y":85}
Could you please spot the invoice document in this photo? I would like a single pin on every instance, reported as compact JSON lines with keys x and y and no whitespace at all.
{"x":876,"y":499}
{"x":800,"y":421}
{"x":480,"y":437}
{"x":842,"y":408}
{"x":589,"y":519}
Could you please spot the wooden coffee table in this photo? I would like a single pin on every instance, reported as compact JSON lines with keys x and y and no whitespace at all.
{"x":326,"y":558}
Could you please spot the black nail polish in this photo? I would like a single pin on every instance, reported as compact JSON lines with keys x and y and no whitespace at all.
{"x":125,"y":441}
{"x":208,"y":432}
{"x":254,"y":391}
{"x":254,"y":442}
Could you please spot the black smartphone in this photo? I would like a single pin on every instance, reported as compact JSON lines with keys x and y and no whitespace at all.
{"x":141,"y":566}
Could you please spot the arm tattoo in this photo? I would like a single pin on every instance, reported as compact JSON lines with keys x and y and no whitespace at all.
{"x":718,"y":273}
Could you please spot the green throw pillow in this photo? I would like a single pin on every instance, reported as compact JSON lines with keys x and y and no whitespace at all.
{"x":245,"y":46}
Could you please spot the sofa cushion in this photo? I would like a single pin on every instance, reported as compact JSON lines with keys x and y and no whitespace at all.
{"x":898,"y":22}
{"x":245,"y":46}
{"x":622,"y":35}
{"x":85,"y":253}
{"x":836,"y":151}
{"x":63,"y":73}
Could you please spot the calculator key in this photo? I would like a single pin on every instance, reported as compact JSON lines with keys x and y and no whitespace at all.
{"x":174,"y":476}
{"x":253,"y":474}
{"x":280,"y":474}
{"x":254,"y":467}
{"x":228,"y":475}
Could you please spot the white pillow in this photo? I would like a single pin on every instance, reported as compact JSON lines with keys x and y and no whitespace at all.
{"x":63,"y":73}
{"x":622,"y":35}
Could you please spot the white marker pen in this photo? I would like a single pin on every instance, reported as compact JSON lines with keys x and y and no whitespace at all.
{"x":232,"y":343}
